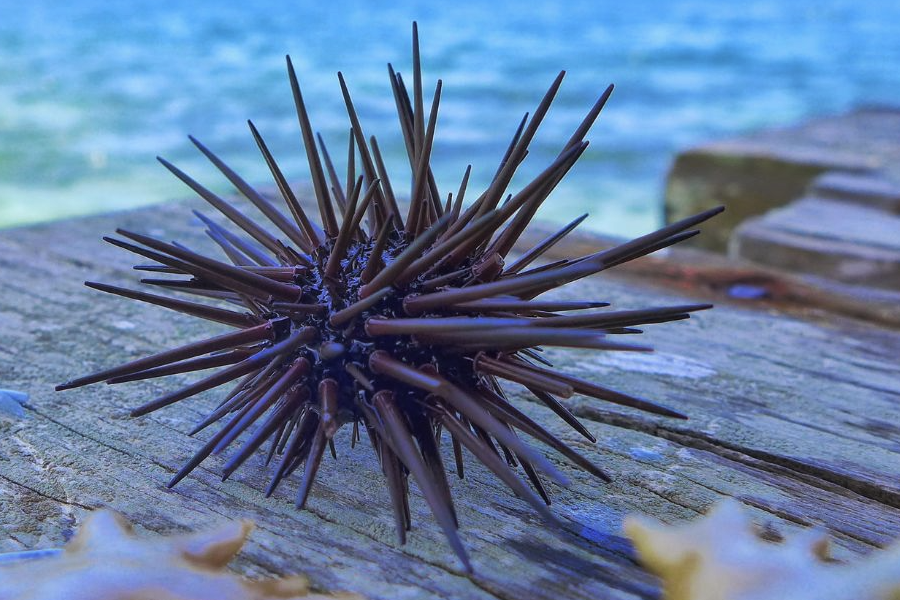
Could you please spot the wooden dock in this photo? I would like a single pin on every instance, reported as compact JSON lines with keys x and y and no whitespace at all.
{"x":794,"y":410}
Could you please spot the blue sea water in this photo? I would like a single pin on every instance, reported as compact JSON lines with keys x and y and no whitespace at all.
{"x":92,"y":90}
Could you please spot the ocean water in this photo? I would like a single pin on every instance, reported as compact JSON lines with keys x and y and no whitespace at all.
{"x":91,"y":91}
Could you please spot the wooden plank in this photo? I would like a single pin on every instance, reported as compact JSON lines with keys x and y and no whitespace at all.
{"x":796,"y":418}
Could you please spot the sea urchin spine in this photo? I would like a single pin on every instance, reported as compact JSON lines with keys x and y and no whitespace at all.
{"x":402,"y":325}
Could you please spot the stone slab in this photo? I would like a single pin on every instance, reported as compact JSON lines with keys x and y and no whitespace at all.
{"x":754,"y":173}
{"x":868,"y":190}
{"x":845,"y":242}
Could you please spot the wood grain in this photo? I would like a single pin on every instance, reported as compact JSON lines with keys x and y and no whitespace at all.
{"x":796,"y":418}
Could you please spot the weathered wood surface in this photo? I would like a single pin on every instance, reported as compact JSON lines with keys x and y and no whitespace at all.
{"x":798,"y":419}
{"x":711,"y":277}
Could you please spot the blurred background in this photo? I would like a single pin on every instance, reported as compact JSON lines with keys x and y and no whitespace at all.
{"x":91,"y":91}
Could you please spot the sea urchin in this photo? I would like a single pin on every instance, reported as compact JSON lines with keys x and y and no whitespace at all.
{"x":404,"y":326}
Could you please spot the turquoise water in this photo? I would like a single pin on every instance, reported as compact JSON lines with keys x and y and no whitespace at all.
{"x":91,"y":91}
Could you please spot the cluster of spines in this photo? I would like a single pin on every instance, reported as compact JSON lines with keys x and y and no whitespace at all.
{"x":404,"y":326}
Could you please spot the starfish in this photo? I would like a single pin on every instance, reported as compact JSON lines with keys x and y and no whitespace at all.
{"x":720,"y":557}
{"x":107,"y":561}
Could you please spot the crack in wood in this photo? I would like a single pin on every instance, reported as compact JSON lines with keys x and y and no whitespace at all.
{"x":817,"y":475}
{"x":45,"y":495}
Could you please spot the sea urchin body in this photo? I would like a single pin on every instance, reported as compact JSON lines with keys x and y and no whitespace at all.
{"x":401,"y":325}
